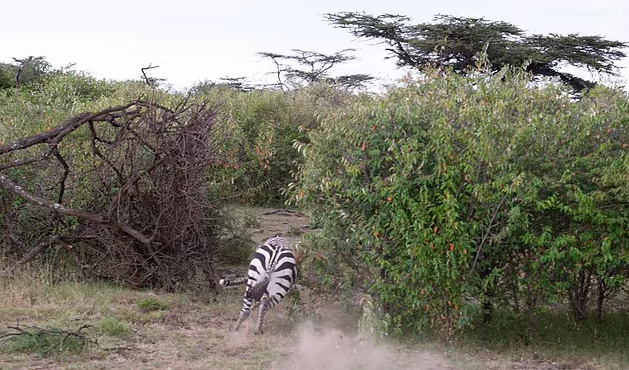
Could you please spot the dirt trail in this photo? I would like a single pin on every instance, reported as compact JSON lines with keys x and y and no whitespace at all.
{"x":291,"y":224}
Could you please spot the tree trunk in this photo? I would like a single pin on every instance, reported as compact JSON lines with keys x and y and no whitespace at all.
{"x":580,"y":292}
{"x":515,"y":291}
{"x":600,"y":301}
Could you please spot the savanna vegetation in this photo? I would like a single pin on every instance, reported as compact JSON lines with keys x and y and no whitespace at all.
{"x":453,"y":195}
{"x":472,"y":202}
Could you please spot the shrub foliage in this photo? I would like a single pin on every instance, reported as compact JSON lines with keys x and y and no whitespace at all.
{"x":262,"y":125}
{"x":453,"y":193}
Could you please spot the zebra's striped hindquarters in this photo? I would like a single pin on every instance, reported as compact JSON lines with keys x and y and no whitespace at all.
{"x":272,"y":272}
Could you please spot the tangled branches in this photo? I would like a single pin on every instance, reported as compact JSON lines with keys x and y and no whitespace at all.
{"x":127,"y":190}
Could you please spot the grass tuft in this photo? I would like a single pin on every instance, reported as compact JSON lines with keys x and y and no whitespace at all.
{"x":44,"y":342}
{"x":113,"y":327}
{"x":153,"y":304}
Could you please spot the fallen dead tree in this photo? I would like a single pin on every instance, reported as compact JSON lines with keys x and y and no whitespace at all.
{"x":124,"y":191}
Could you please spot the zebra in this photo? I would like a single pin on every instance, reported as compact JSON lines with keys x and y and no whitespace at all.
{"x":272,"y":272}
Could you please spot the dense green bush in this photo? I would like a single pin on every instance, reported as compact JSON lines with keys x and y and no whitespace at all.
{"x":36,"y":69}
{"x":260,"y":128}
{"x":453,"y":191}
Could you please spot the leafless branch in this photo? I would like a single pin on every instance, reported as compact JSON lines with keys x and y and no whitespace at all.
{"x":62,"y":210}
{"x":32,"y":253}
{"x":487,"y":232}
{"x":143,"y":216}
{"x":23,"y":65}
{"x":150,"y":81}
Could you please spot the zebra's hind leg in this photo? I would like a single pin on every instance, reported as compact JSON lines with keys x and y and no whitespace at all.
{"x":265,"y":304}
{"x":243,"y":316}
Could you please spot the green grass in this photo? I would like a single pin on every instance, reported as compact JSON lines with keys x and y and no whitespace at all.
{"x":45,"y":342}
{"x":113,"y":327}
{"x":555,"y":335}
{"x":153,"y":304}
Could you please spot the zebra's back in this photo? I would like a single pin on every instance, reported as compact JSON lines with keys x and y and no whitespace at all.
{"x":272,"y":272}
{"x":275,"y":262}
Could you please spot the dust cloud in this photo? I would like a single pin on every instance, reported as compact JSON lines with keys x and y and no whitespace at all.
{"x":331,"y":349}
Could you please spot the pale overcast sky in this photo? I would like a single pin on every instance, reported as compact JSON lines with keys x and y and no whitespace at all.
{"x":195,"y":40}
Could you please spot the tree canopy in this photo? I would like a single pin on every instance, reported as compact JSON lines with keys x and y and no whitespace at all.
{"x":456,"y":41}
{"x":24,"y":71}
{"x":312,"y":67}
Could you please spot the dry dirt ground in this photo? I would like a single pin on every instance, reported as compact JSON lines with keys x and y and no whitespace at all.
{"x":193,"y":332}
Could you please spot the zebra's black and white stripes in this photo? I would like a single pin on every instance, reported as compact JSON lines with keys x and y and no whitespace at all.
{"x":271,"y":274}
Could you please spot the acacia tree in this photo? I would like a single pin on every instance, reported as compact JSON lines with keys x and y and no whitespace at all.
{"x":313,"y":67}
{"x":24,"y":71}
{"x":237,"y":83}
{"x":456,"y":41}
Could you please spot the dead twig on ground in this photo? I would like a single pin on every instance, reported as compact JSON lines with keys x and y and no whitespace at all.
{"x":283,"y":211}
{"x":47,"y":340}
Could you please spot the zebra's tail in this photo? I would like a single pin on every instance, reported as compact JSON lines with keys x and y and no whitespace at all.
{"x":236,"y":281}
{"x":257,"y":291}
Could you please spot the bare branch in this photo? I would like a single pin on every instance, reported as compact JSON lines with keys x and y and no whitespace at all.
{"x":23,"y":65}
{"x":60,"y":209}
{"x":150,"y":81}
{"x":64,"y":176}
{"x":59,"y":132}
{"x":489,"y":227}
{"x":146,"y":206}
{"x":32,"y":253}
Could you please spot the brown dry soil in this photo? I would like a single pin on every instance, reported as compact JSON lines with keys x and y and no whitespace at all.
{"x":193,"y":333}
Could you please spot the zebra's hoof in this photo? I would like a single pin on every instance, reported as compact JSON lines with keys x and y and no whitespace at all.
{"x":258,"y":332}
